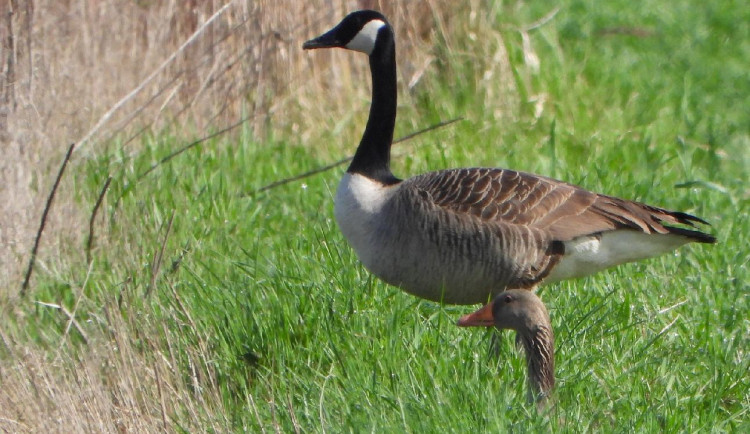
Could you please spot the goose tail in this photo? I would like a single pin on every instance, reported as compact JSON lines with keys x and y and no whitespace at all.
{"x":689,"y":220}
{"x":692,"y":234}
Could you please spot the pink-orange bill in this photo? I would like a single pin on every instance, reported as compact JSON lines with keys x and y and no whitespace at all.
{"x":481,"y":318}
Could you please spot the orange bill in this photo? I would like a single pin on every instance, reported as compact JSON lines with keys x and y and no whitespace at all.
{"x":481,"y":318}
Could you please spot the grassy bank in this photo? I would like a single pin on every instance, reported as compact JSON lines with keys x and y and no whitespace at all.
{"x":208,"y":308}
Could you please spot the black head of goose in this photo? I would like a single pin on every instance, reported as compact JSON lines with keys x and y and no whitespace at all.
{"x":525,"y":313}
{"x":461,"y":236}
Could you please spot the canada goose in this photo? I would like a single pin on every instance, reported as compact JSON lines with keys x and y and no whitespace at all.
{"x":525,"y":313}
{"x":461,"y":236}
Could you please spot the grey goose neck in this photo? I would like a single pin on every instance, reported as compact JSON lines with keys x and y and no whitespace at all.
{"x":539,"y":345}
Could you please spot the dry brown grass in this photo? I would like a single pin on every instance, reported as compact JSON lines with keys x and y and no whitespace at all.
{"x":86,"y":72}
{"x":111,"y":386}
{"x":103,"y":74}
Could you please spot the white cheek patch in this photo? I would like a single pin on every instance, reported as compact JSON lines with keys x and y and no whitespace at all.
{"x":364,"y":41}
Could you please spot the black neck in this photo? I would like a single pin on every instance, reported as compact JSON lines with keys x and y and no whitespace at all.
{"x":373,"y":155}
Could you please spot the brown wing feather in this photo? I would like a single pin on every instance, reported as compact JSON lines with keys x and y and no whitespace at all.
{"x":562,"y":210}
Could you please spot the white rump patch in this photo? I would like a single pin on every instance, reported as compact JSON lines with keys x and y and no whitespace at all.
{"x":364,"y":41}
{"x":587,"y":255}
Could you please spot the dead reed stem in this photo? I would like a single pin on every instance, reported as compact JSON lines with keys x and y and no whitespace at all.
{"x":43,"y":222}
{"x":92,"y":220}
{"x":328,"y":167}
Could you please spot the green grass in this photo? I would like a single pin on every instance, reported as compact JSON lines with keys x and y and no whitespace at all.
{"x":296,"y":334}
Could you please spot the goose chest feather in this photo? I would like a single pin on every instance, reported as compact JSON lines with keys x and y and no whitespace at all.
{"x":463,"y":235}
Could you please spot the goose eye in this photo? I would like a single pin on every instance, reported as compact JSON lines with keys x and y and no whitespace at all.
{"x":508,"y":299}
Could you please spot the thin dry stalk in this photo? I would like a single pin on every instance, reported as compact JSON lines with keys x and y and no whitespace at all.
{"x":343,"y":161}
{"x":156,"y":265}
{"x":9,"y":97}
{"x":70,"y":317}
{"x":192,"y":145}
{"x":47,"y":206}
{"x":261,"y":422}
{"x":162,"y":404}
{"x":92,"y":220}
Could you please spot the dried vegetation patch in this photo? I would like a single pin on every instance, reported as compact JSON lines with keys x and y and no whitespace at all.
{"x":109,"y":76}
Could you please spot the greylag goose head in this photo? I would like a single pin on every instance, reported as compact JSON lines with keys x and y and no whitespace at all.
{"x":524,"y":312}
